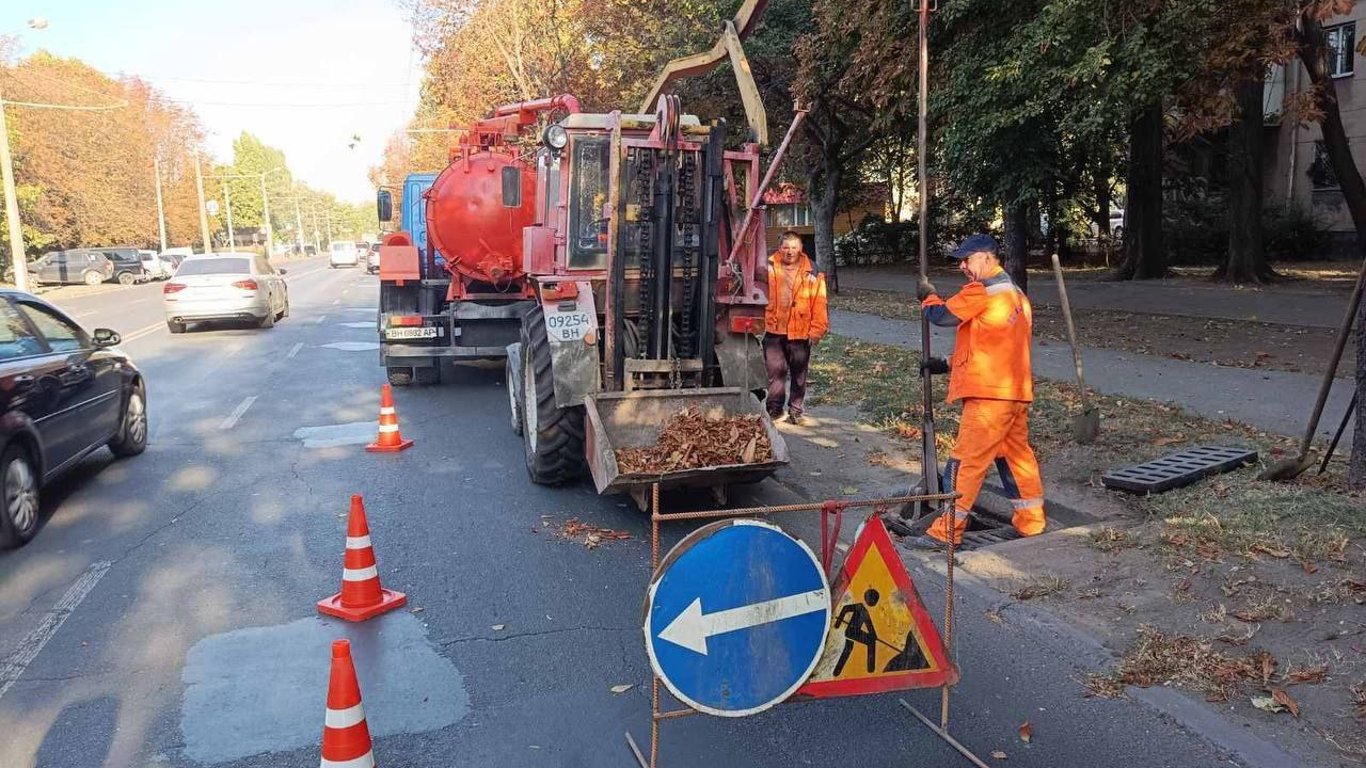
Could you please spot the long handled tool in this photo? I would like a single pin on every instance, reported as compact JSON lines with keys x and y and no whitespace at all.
{"x":1085,"y":425}
{"x":1289,"y":469}
{"x":1342,"y":427}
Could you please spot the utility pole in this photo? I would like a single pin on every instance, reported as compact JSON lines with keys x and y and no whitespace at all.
{"x":203,"y":211}
{"x":227,"y":202}
{"x":299,"y":223}
{"x":16,"y":232}
{"x":265,"y":215}
{"x":161,"y":208}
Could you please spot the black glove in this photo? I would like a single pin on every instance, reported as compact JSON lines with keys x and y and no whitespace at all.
{"x":924,"y":289}
{"x":936,"y":366}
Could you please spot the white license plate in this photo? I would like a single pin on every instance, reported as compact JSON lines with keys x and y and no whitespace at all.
{"x":410,"y":333}
{"x":569,"y":326}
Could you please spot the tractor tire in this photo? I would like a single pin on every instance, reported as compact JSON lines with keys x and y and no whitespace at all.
{"x":551,"y":435}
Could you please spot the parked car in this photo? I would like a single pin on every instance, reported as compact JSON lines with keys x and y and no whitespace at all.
{"x":372,"y":259}
{"x":128,"y":265}
{"x":156,"y":268}
{"x":342,"y":255}
{"x":76,"y":266}
{"x":65,"y":394}
{"x":225,"y":286}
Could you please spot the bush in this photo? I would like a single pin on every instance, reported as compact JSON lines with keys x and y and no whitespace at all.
{"x":877,"y":242}
{"x":1195,"y":231}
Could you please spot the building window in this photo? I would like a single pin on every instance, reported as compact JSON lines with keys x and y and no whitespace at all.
{"x":789,"y":215}
{"x":1342,"y":41}
{"x":1321,"y":173}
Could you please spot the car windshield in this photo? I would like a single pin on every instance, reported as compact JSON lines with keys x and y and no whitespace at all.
{"x":216,"y":266}
{"x":342,"y":246}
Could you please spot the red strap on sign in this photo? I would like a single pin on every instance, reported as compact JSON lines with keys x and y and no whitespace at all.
{"x":830,"y":537}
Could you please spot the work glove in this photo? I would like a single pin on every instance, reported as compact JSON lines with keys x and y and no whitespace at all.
{"x":924,"y":289}
{"x":936,"y":366}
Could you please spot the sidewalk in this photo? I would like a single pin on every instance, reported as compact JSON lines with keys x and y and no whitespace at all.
{"x":1188,"y":298}
{"x":1274,"y":401}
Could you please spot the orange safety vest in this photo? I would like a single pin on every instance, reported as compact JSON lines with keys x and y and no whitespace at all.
{"x":991,"y":351}
{"x":807,"y":316}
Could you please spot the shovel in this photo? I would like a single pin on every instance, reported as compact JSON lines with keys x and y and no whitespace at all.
{"x":1085,"y":425}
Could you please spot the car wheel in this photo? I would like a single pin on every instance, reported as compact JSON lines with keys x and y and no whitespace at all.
{"x":174,"y":327}
{"x":285,"y":313}
{"x":127,"y":278}
{"x":93,"y":278}
{"x":18,"y":497}
{"x":132,"y":437}
{"x":400,"y":377}
{"x":269,"y":320}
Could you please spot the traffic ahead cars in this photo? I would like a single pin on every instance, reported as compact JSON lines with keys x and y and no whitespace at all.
{"x":64,"y":394}
{"x":372,"y":259}
{"x":225,"y":286}
{"x":76,"y":266}
{"x":342,"y":255}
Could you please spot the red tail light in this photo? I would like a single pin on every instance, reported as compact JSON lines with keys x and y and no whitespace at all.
{"x":405,"y":320}
{"x":246,"y":285}
{"x":172,"y":288}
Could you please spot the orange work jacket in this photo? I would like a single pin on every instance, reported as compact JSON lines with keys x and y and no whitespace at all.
{"x":991,"y":352}
{"x":807,"y":316}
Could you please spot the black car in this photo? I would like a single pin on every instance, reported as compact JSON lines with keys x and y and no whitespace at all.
{"x":128,"y":266}
{"x":64,"y":394}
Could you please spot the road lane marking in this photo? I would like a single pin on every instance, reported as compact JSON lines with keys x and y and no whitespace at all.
{"x":237,"y":413}
{"x":32,"y":645}
{"x":335,"y":302}
{"x":144,"y":331}
{"x":294,"y":350}
{"x":320,"y":319}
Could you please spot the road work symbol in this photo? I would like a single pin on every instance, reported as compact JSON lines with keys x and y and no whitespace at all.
{"x":736,"y":617}
{"x":882,"y":638}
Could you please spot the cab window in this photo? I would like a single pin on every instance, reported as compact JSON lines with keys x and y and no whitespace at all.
{"x":588,"y":207}
{"x":16,"y":338}
{"x":61,"y":336}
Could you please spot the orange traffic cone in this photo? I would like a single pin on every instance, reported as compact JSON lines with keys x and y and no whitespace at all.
{"x":346,"y":737}
{"x":390,"y":440}
{"x":361,"y":596}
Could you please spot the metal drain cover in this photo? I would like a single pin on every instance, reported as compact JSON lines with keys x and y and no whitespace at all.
{"x":1178,"y":469}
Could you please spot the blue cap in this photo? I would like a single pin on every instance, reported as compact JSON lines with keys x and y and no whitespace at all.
{"x":976,"y":244}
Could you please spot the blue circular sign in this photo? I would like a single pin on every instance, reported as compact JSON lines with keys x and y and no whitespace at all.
{"x":736,"y":616}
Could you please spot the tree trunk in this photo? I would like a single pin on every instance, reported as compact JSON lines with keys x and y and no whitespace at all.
{"x":1143,"y":255}
{"x":1017,"y":244}
{"x":824,"y":195}
{"x":1313,"y":50}
{"x":1246,"y":254}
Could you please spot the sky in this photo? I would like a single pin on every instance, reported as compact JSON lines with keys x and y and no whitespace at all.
{"x":303,"y":75}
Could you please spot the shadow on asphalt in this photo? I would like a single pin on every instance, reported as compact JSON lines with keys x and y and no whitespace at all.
{"x":82,"y":734}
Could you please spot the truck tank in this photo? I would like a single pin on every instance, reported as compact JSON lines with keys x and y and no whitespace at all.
{"x":476,"y":210}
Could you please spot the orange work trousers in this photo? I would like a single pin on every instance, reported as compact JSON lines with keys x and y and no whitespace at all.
{"x":992,"y":432}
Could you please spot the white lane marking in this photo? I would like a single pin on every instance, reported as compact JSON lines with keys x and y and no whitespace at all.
{"x":32,"y":645}
{"x":336,"y":302}
{"x":294,"y":350}
{"x":237,"y":413}
{"x":320,"y":319}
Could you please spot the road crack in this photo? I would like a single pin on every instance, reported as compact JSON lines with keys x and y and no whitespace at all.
{"x":523,"y":635}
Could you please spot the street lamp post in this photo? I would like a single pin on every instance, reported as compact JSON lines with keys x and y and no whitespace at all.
{"x":265,"y":215}
{"x":227,"y":202}
{"x":203,"y":212}
{"x":16,"y":233}
{"x":161,"y":207}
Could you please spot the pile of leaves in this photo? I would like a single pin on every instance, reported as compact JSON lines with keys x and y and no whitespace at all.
{"x":1190,"y":662}
{"x":587,"y":534}
{"x":689,"y":440}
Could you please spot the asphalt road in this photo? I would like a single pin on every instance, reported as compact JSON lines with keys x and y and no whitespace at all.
{"x":165,"y":614}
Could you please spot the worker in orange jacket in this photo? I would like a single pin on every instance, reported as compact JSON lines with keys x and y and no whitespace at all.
{"x":990,"y":373}
{"x":796,"y":319}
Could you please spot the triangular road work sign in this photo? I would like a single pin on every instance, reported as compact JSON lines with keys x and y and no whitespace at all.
{"x":881,"y":638}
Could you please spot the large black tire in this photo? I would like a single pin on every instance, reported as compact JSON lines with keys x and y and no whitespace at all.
{"x":19,"y":503}
{"x":132,"y":437}
{"x":551,"y":435}
{"x":127,"y":278}
{"x":268,"y":321}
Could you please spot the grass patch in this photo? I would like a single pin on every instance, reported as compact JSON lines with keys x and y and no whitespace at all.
{"x":1041,"y":586}
{"x":1109,"y":539}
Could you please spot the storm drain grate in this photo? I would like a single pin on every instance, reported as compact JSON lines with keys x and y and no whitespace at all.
{"x":988,"y":536}
{"x":1178,"y":469}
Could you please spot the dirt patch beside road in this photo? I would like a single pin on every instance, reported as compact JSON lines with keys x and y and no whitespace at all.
{"x":1200,"y":588}
{"x":1230,"y":343}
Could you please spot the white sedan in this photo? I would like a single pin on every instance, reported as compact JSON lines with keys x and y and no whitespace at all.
{"x":225,"y":286}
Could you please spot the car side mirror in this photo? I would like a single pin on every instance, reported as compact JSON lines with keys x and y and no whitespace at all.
{"x":283,"y":271}
{"x":106,"y":338}
{"x":384,"y":205}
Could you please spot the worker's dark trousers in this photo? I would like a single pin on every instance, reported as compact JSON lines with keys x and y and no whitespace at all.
{"x":783,"y":356}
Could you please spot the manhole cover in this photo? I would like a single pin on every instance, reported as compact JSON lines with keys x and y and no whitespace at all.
{"x":1178,"y":469}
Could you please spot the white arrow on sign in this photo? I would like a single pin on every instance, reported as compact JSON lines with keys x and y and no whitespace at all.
{"x":692,"y":627}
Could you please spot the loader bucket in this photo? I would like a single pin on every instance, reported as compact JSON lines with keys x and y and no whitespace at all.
{"x":631,"y":420}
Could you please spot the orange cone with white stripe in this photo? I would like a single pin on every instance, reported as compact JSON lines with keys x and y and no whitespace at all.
{"x":361,"y":596}
{"x":346,"y":737}
{"x":390,"y":440}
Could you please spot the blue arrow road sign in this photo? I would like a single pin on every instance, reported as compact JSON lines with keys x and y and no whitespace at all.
{"x":736,"y":617}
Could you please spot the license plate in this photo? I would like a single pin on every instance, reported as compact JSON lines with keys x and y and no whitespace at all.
{"x":410,"y":333}
{"x":572,"y":321}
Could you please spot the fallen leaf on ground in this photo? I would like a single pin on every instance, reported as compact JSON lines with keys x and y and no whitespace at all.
{"x":995,"y":617}
{"x":498,"y":627}
{"x":622,"y":688}
{"x":1284,"y":700}
{"x":418,"y":609}
{"x":848,"y":490}
{"x":1266,"y":704}
{"x":1026,"y":731}
{"x":998,"y":754}
{"x":1309,"y":567}
{"x":1268,"y":666}
{"x":1168,"y":440}
{"x":1310,"y":675}
{"x":1277,"y":552}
